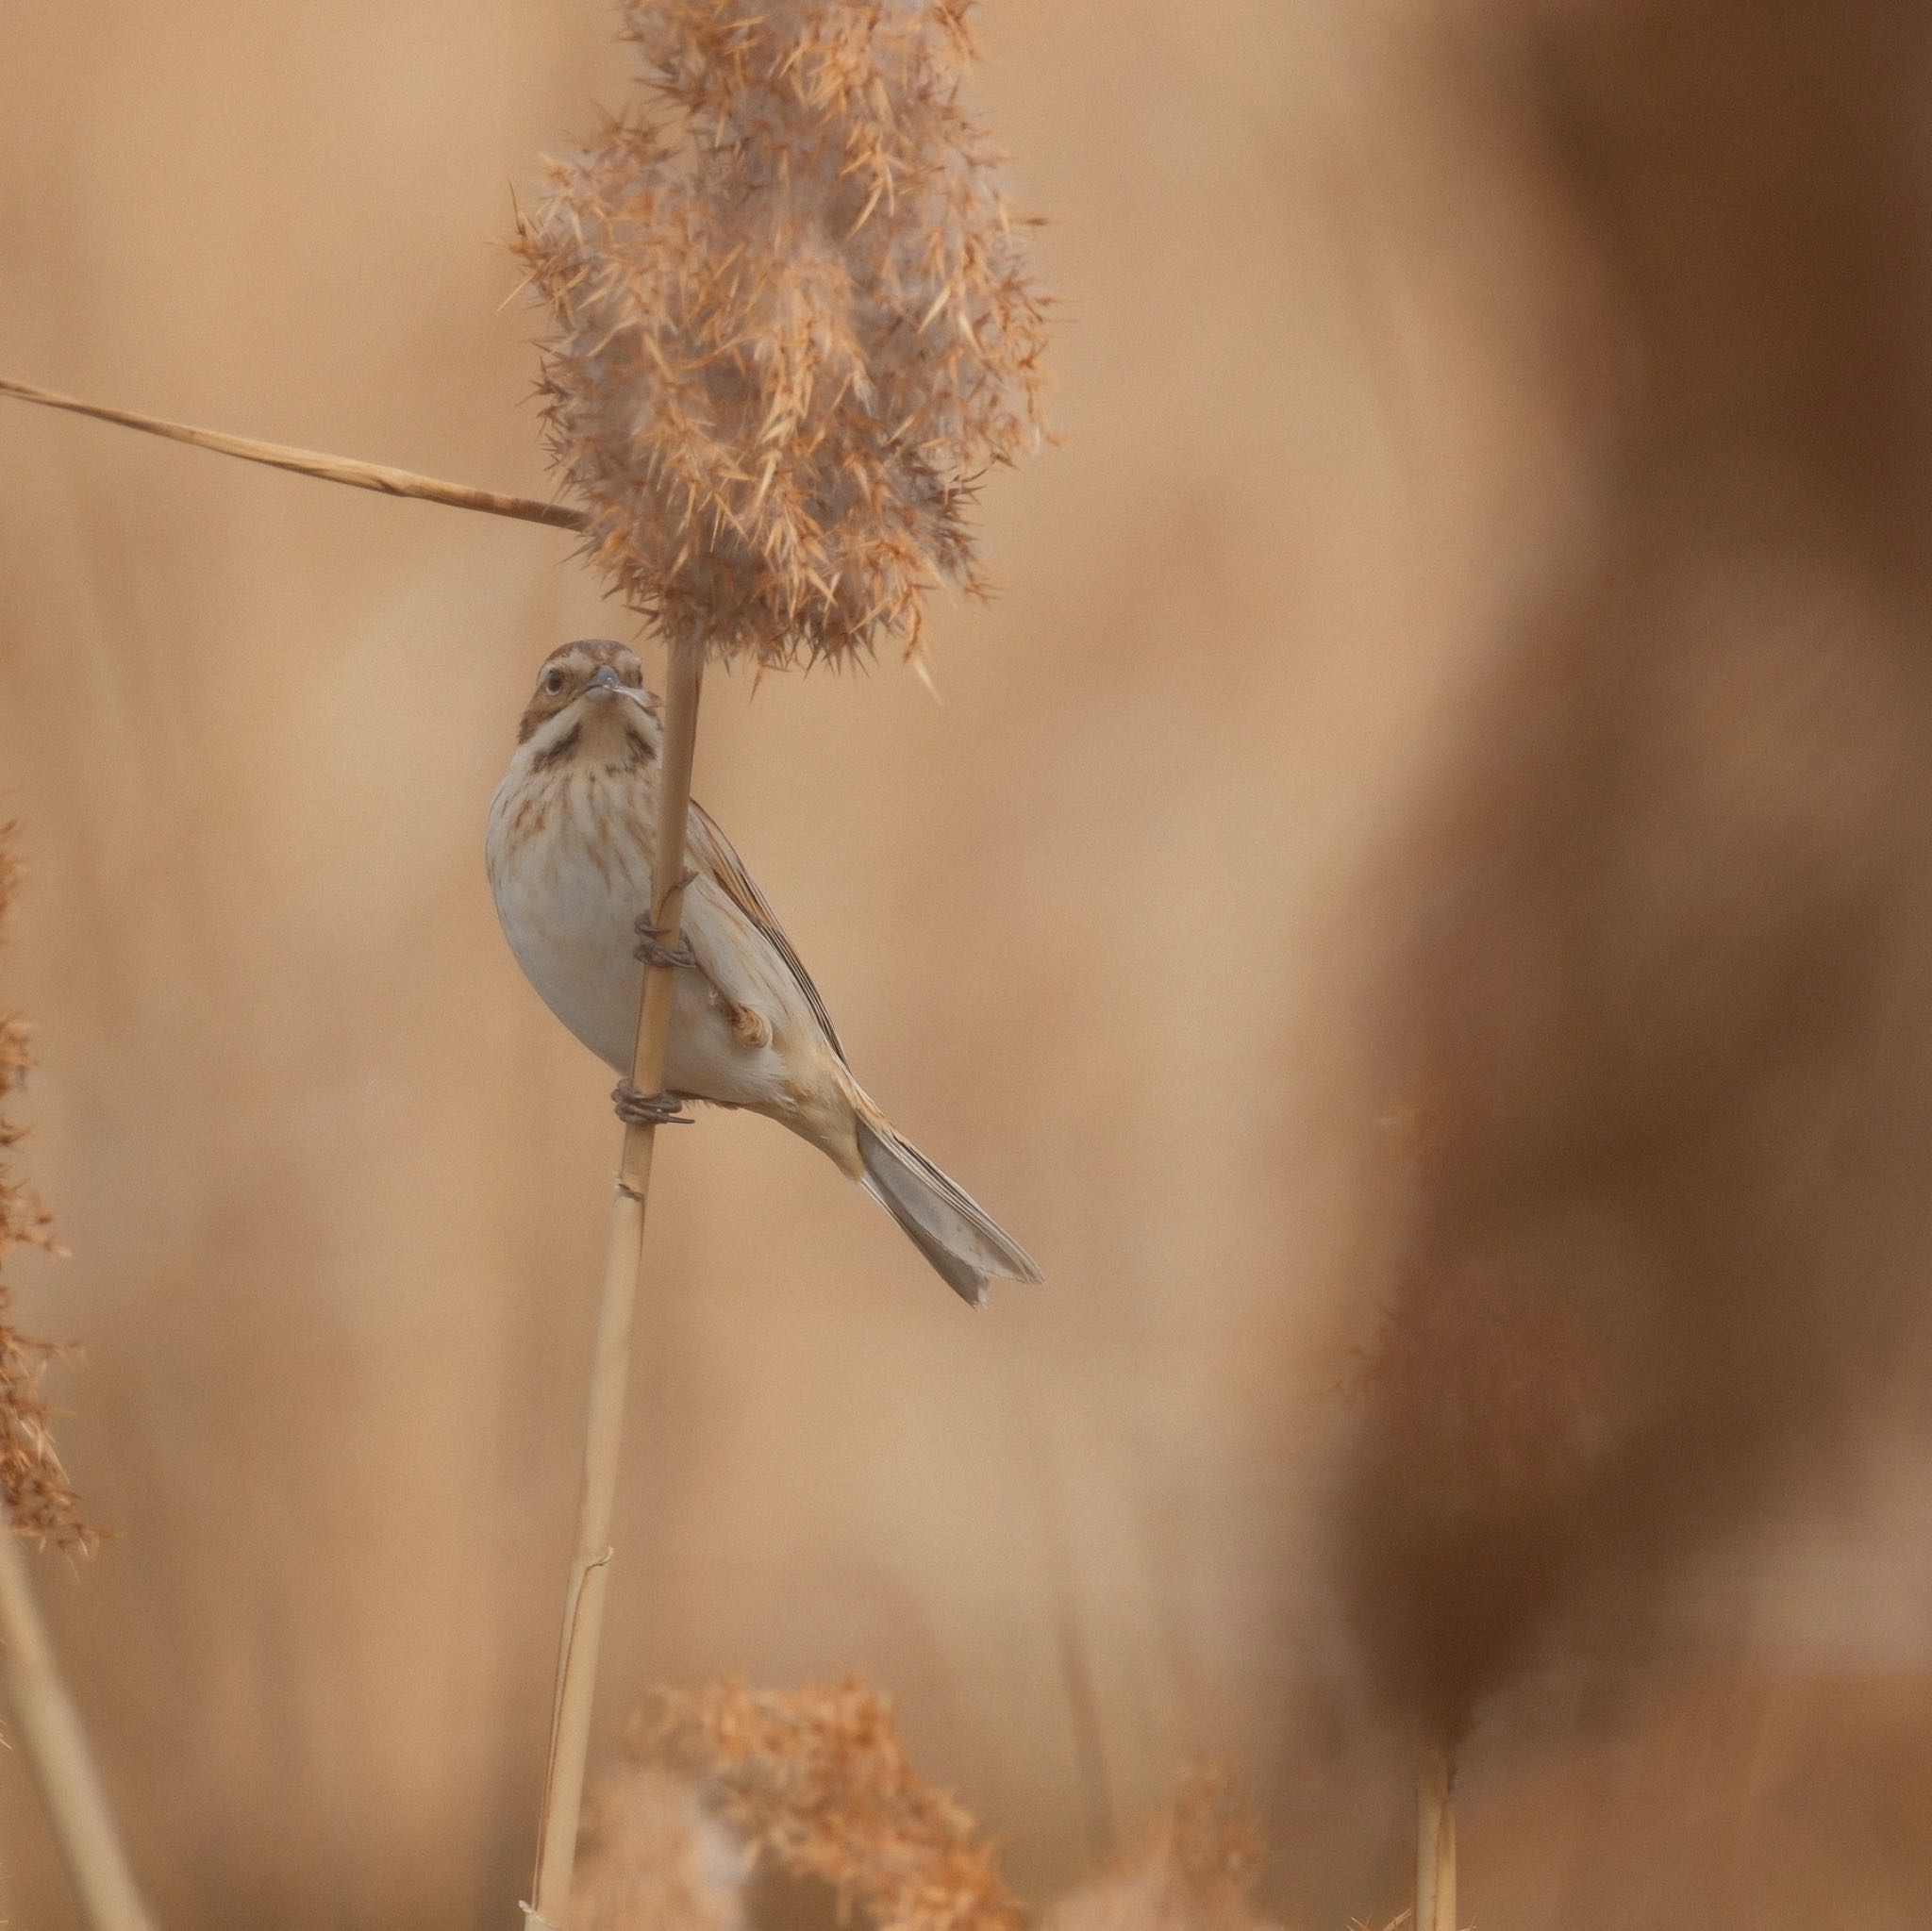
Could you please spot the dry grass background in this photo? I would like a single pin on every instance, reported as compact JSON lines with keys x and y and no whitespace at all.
{"x":1342,"y":345}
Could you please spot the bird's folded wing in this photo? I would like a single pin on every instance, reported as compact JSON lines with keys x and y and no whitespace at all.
{"x":714,"y":859}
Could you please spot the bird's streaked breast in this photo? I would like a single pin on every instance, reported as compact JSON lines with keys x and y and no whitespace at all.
{"x":569,"y":872}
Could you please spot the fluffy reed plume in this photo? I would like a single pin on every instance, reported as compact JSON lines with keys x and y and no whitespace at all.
{"x":655,"y":1860}
{"x":1194,"y":1870}
{"x":1488,"y":1401}
{"x":792,"y":323}
{"x":1495,"y":1394}
{"x":819,"y":1779}
{"x":39,"y":1498}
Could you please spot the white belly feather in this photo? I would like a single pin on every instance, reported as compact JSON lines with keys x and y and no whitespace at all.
{"x":568,"y":901}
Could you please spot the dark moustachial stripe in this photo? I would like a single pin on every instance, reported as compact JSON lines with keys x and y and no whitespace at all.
{"x":558,"y":750}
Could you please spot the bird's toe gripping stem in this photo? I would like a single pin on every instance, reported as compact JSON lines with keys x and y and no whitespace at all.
{"x":637,"y":1109}
{"x":652,"y":949}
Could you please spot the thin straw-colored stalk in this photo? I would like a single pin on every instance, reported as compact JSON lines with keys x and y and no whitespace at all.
{"x":1445,"y":1861}
{"x":56,"y":1752}
{"x":1434,"y":1843}
{"x":310,"y":462}
{"x":590,"y":1574}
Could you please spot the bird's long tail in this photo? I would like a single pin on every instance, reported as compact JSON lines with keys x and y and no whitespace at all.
{"x":965,"y":1245}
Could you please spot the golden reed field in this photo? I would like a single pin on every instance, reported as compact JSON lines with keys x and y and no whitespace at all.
{"x":1415,"y":904}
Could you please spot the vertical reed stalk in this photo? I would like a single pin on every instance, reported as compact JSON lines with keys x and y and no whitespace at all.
{"x":56,"y":1752}
{"x":1435,"y":1841}
{"x":590,"y":1574}
{"x":1445,"y":1860}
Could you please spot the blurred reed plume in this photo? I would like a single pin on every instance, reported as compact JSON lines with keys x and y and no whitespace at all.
{"x":654,"y":1859}
{"x":39,"y":1498}
{"x":1194,"y":1870}
{"x":819,"y":1780}
{"x":1489,"y":1397}
{"x":1662,"y":960}
{"x":792,"y":323}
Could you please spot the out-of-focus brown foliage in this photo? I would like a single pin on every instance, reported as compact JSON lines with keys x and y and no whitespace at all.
{"x":820,"y":1779}
{"x":653,"y":1859}
{"x":777,"y":369}
{"x":1194,"y":1870}
{"x":40,"y":1501}
{"x":1664,"y":967}
{"x":1490,"y":1398}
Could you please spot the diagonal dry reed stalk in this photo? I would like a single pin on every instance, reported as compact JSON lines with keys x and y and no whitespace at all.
{"x":307,"y":463}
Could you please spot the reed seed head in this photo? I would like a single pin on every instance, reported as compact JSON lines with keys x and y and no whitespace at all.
{"x":820,"y":1780}
{"x":792,"y":323}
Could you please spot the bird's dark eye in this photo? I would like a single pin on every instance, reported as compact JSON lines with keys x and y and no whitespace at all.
{"x":553,"y":681}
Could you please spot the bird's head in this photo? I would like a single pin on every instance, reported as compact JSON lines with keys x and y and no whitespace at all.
{"x":591,"y":700}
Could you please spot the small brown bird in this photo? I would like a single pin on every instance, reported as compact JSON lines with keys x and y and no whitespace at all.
{"x":572,"y":832}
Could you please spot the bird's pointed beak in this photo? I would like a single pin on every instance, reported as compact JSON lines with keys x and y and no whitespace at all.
{"x":604,"y":685}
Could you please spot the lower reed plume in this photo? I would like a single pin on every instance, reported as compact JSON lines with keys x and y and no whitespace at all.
{"x":818,"y":1784}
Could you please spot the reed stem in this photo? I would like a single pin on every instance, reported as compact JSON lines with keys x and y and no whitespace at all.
{"x":1435,"y":1841}
{"x":590,"y":1574}
{"x":56,"y":1752}
{"x":309,"y":462}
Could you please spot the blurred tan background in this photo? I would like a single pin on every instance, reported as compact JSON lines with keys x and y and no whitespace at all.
{"x":1374,"y":312}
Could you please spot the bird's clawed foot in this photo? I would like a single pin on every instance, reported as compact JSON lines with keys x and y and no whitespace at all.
{"x":646,"y":1109}
{"x":653,"y":951}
